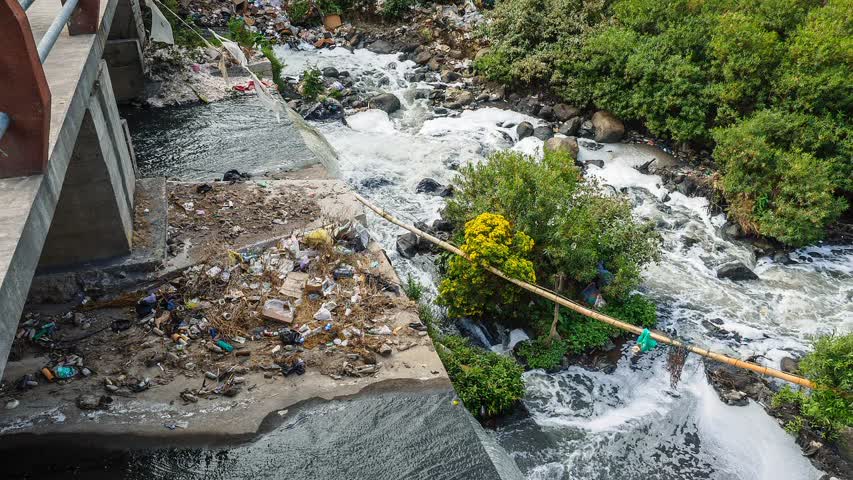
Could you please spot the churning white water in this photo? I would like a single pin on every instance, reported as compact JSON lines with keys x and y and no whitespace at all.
{"x":630,"y":423}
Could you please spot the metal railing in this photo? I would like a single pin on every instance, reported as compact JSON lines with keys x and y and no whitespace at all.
{"x":23,"y":151}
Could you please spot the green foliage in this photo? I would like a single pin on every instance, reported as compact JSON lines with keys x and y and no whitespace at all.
{"x":488,"y":384}
{"x":829,"y":407}
{"x":277,"y":67}
{"x":330,"y":7}
{"x":573,"y":224}
{"x":580,"y":333}
{"x":689,"y":68}
{"x":540,"y":353}
{"x":184,"y":36}
{"x":299,"y":11}
{"x":396,"y":8}
{"x":783,"y":174}
{"x":467,"y":288}
{"x":243,"y":36}
{"x":312,"y":84}
{"x":413,"y":289}
{"x":795,"y":426}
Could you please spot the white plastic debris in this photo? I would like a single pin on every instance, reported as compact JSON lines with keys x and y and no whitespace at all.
{"x":161,"y":30}
{"x":323,"y":315}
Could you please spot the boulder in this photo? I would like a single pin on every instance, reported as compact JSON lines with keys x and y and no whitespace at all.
{"x":564,"y":112}
{"x":524,"y":130}
{"x":331,"y":72}
{"x":407,"y":245}
{"x":442,"y":225}
{"x":449,"y":76}
{"x":597,"y":163}
{"x":543,"y":133}
{"x":423,"y":58}
{"x":546,"y":113}
{"x":736,"y":271}
{"x":607,"y":127}
{"x":386,"y":101}
{"x":563,"y":144}
{"x":382,"y":47}
{"x":435,"y":189}
{"x":435,"y":63}
{"x":789,"y":365}
{"x":571,"y":126}
{"x":464,"y":98}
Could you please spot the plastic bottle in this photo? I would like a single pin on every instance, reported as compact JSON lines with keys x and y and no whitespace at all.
{"x":64,"y":371}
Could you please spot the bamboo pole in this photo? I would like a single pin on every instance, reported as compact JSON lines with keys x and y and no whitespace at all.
{"x":544,"y":293}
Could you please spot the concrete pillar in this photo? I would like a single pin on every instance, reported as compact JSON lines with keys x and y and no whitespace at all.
{"x":94,"y":216}
{"x":123,"y":51}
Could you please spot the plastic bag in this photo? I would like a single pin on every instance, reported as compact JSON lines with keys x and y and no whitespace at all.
{"x":233,"y":49}
{"x":161,"y":30}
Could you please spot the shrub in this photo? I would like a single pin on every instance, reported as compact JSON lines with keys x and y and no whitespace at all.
{"x":312,"y":84}
{"x":829,"y":407}
{"x":541,"y":353}
{"x":396,"y":8}
{"x":774,"y":178}
{"x":690,"y":70}
{"x":580,"y":333}
{"x":413,"y":289}
{"x":298,"y":11}
{"x":467,"y":288}
{"x":488,"y":384}
{"x":574,"y":224}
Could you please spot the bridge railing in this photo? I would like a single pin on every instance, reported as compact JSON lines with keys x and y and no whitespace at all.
{"x":24,"y":91}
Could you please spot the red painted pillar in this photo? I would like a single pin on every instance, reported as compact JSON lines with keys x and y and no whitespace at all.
{"x":85,"y":17}
{"x":24,"y":96}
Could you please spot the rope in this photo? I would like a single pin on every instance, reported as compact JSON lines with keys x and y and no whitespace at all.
{"x":554,"y":297}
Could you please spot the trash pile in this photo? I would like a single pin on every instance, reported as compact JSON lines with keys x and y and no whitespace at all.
{"x":308,"y":300}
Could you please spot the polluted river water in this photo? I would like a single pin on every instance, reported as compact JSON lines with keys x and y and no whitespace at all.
{"x":626,"y":423}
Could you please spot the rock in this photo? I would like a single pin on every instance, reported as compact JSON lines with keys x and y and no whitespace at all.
{"x":597,"y":163}
{"x":571,"y":126}
{"x":428,"y":185}
{"x":435,"y":63}
{"x":381,"y":47}
{"x":543,"y":132}
{"x":407,"y":245}
{"x":546,"y":113}
{"x":735,"y":398}
{"x":385,"y":350}
{"x":687,"y":187}
{"x":789,"y":365}
{"x":845,"y":444}
{"x":736,"y":271}
{"x":331,"y":72}
{"x":731,"y":230}
{"x":481,"y":53}
{"x":586,"y":130}
{"x":563,"y":144}
{"x":423,"y":57}
{"x":387,"y":102}
{"x":607,"y":127}
{"x":442,"y":225}
{"x":524,"y":130}
{"x":464,"y":98}
{"x":564,"y":112}
{"x":93,"y":402}
{"x":449,"y":76}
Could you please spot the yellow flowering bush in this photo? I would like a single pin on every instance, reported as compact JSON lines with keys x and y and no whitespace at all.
{"x":468,"y":290}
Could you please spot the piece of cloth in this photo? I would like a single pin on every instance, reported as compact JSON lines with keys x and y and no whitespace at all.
{"x":645,"y":341}
{"x":161,"y":29}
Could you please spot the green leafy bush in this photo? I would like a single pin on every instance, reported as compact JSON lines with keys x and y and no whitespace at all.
{"x":396,"y":8}
{"x":700,"y":72}
{"x":312,"y":84}
{"x":829,"y":407}
{"x":541,"y":353}
{"x":467,"y":288}
{"x":580,"y":334}
{"x":298,"y":11}
{"x":574,"y":225}
{"x":783,"y":174}
{"x":488,"y":384}
{"x":413,"y":289}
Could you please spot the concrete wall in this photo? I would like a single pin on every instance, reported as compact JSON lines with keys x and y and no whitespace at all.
{"x":94,"y":215}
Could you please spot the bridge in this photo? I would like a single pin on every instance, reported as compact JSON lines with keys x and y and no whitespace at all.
{"x":67,"y":173}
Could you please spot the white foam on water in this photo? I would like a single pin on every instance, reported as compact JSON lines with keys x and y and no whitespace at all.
{"x":371,"y":121}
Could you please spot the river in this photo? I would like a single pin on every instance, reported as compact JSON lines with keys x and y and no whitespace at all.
{"x":625,"y":424}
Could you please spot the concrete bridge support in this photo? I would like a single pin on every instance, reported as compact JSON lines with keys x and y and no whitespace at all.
{"x":123,"y":51}
{"x":94,"y":216}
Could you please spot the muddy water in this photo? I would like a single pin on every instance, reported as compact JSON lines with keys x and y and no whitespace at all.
{"x":630,"y":423}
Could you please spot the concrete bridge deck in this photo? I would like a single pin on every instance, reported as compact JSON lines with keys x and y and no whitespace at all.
{"x":81,"y":94}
